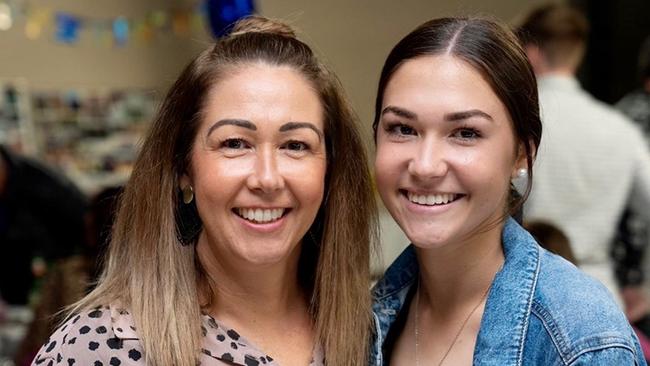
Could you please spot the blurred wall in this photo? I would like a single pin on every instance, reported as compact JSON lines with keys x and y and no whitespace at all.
{"x":45,"y":63}
{"x":353,"y":36}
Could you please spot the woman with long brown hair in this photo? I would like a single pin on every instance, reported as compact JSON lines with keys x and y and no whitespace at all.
{"x":243,"y":234}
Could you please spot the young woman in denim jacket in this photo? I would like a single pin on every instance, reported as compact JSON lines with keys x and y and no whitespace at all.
{"x":457,"y":119}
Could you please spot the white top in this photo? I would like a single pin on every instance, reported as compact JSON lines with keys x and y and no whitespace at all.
{"x":591,"y":162}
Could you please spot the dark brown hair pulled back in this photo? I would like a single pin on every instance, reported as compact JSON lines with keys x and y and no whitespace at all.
{"x":494,"y":52}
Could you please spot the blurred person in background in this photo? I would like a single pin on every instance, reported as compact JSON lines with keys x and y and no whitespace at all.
{"x":41,"y":219}
{"x":243,"y":235}
{"x":69,"y":279}
{"x":636,"y":104}
{"x":631,"y":242}
{"x":551,"y":238}
{"x":41,"y":222}
{"x":593,"y":160}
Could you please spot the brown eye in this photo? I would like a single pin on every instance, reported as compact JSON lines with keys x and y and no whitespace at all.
{"x":467,"y":134}
{"x":406,"y":130}
{"x":234,"y":144}
{"x":296,"y":146}
{"x":400,"y":129}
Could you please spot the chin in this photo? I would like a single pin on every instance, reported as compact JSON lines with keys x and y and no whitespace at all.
{"x":265,"y":255}
{"x":429,"y":243}
{"x":426,"y":236}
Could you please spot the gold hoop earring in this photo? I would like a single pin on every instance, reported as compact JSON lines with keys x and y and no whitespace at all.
{"x":188,"y":194}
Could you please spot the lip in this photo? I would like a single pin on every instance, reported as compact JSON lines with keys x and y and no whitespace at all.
{"x":265,"y":227}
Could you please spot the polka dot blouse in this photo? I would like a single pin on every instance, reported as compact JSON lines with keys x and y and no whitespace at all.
{"x":107,"y":336}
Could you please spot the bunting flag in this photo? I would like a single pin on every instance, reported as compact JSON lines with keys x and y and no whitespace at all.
{"x":223,"y":13}
{"x":65,"y":27}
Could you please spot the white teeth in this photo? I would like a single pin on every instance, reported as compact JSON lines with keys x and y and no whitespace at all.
{"x":431,"y":199}
{"x":260,"y":215}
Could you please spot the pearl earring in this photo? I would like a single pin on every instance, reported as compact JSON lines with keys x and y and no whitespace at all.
{"x":522,"y":172}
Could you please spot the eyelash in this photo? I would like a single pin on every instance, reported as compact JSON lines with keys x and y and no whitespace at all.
{"x":401,"y":130}
{"x":475,"y":133}
{"x":397,"y":129}
{"x":303,"y":146}
{"x":226,"y":143}
{"x":242,"y":144}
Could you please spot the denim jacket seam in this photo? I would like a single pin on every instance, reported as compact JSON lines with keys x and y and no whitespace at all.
{"x":531,"y":296}
{"x":569,"y":356}
{"x":601,"y":347}
{"x":549,"y":325}
{"x":378,"y":339}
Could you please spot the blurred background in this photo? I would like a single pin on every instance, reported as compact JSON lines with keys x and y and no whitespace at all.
{"x":80,"y":81}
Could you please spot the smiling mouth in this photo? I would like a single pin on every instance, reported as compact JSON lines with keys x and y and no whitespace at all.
{"x":261,"y":215}
{"x":439,"y":199}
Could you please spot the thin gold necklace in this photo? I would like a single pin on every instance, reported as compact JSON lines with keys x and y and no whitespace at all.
{"x":453,"y":342}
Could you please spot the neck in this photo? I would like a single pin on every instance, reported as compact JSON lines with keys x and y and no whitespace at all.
{"x":562,"y":72}
{"x":459,"y":273}
{"x":246,"y":295}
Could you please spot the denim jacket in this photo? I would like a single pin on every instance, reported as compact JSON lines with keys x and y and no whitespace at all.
{"x":541,"y":310}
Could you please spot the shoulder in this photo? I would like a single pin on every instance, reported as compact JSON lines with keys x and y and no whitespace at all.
{"x":577,"y":314}
{"x":93,"y":337}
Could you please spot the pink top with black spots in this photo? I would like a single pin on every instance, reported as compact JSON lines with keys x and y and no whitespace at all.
{"x":107,"y":337}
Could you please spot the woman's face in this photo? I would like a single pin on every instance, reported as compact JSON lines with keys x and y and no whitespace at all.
{"x":445,"y":151}
{"x":258,"y":164}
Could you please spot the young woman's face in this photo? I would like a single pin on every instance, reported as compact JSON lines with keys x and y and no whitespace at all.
{"x":445,"y":151}
{"x":258,"y":164}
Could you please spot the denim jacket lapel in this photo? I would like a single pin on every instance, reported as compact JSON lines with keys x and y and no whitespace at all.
{"x":389,"y":295}
{"x":507,"y":311}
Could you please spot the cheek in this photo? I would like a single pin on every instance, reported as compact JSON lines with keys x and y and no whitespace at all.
{"x":388,"y":162}
{"x":307,"y":178}
{"x":217,"y":179}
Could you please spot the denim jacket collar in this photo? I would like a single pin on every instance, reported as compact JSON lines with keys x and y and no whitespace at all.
{"x":505,"y":320}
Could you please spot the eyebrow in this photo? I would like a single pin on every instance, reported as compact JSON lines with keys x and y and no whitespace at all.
{"x":463,"y":115}
{"x":233,"y":122}
{"x":401,"y":112}
{"x":289,"y":126}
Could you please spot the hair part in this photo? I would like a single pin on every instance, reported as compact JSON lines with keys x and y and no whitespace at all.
{"x":161,"y":281}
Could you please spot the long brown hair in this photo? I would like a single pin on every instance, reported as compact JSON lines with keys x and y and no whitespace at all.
{"x":149,"y":271}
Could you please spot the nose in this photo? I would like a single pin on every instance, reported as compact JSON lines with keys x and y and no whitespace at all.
{"x":429,"y":161}
{"x":265,"y":176}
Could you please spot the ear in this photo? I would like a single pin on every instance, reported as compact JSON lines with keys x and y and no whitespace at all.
{"x":184,"y":181}
{"x":521,"y":159}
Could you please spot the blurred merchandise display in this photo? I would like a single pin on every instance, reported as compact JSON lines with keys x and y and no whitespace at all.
{"x":91,"y":136}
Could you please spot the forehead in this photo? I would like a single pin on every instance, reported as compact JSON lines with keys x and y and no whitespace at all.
{"x":261,"y":92}
{"x":441,"y":84}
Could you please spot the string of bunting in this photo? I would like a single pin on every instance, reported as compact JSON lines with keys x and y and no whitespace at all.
{"x":40,"y":21}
